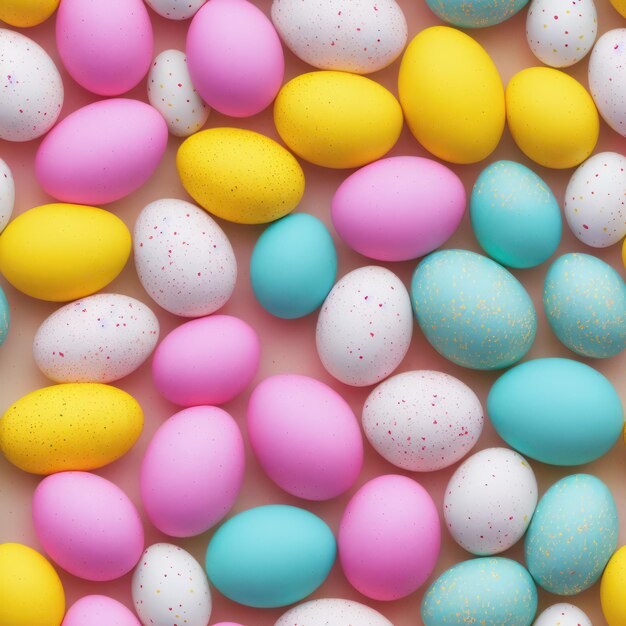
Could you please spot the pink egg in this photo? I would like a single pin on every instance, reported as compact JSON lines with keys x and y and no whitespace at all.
{"x":228,"y":624}
{"x":398,"y":208}
{"x":235,"y":57}
{"x":87,"y":525}
{"x":389,"y":537}
{"x":192,"y":471}
{"x":305,"y":436}
{"x":105,"y":46}
{"x":102,"y":152}
{"x":209,"y":360}
{"x":99,"y":611}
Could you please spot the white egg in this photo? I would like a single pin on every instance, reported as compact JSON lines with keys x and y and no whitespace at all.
{"x":7,"y":194}
{"x":561,"y":33}
{"x":490,"y":500}
{"x":175,"y":9}
{"x":31,"y":93}
{"x":365,"y":326}
{"x":595,"y":200}
{"x":332,"y":611}
{"x":170,"y":587}
{"x":422,"y":421}
{"x":183,"y":258}
{"x":359,"y":37}
{"x":607,"y":78}
{"x":172,"y":94}
{"x":97,"y":339}
{"x":562,"y":614}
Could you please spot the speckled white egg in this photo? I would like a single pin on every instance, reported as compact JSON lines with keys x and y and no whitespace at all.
{"x":332,"y":611}
{"x":365,"y":326}
{"x":490,"y":500}
{"x":607,"y":78}
{"x":183,"y":258}
{"x":562,"y":614}
{"x":175,"y":9}
{"x":358,"y":37}
{"x":31,"y":90}
{"x":595,"y":200}
{"x":422,"y":421}
{"x":7,"y":194}
{"x":561,"y":33}
{"x":172,"y":94}
{"x":97,"y":339}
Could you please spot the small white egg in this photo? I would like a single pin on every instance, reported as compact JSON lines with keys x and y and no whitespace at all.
{"x":332,"y":611}
{"x":7,"y":194}
{"x":562,"y":614}
{"x":175,"y":9}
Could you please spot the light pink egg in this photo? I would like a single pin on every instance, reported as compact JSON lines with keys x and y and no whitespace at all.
{"x":228,"y":624}
{"x":305,"y":436}
{"x":87,"y":525}
{"x":99,"y":611}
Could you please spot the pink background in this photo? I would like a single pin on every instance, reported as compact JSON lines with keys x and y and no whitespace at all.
{"x":289,"y":346}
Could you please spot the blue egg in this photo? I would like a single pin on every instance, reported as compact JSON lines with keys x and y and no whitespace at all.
{"x":5,"y":317}
{"x":270,"y":556}
{"x":475,"y":14}
{"x":572,"y":535}
{"x":585,"y":303}
{"x":472,"y":310}
{"x":515,"y":216}
{"x":293,"y":266}
{"x":557,"y":411}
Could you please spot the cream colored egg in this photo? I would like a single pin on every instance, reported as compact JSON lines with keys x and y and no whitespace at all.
{"x":7,"y":194}
{"x":332,"y":611}
{"x":175,"y":9}
{"x":562,"y":614}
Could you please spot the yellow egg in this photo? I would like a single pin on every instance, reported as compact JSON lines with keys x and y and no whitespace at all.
{"x":31,"y":593}
{"x":452,"y":95}
{"x":613,"y":589}
{"x":24,"y":13}
{"x":552,"y":117}
{"x":336,"y":119}
{"x":63,"y":252}
{"x":240,"y":175}
{"x":624,"y":253}
{"x":620,"y":6}
{"x":73,"y":426}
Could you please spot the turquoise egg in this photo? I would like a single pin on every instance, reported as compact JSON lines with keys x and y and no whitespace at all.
{"x":557,"y":411}
{"x":515,"y":216}
{"x":270,"y":556}
{"x":293,"y":266}
{"x":475,"y":14}
{"x":585,"y":303}
{"x":572,"y":535}
{"x":472,"y":310}
{"x":5,"y":317}
{"x":490,"y":591}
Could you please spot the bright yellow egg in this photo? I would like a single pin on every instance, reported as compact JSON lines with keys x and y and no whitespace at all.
{"x":620,"y":6}
{"x":452,"y":95}
{"x":23,"y":13}
{"x":624,"y":253}
{"x":613,"y":589}
{"x":336,"y":119}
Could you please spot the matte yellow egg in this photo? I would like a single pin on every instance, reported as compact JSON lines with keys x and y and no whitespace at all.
{"x":22,"y":13}
{"x":624,"y":253}
{"x":74,"y":426}
{"x":452,"y":95}
{"x":336,"y":119}
{"x":620,"y":6}
{"x":552,"y":117}
{"x":240,"y":175}
{"x":613,"y":589}
{"x":31,"y":593}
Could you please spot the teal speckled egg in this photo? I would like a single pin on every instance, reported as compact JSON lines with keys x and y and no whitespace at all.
{"x":487,"y":591}
{"x":4,"y":317}
{"x":585,"y":302}
{"x":475,"y":14}
{"x":472,"y":310}
{"x":572,"y":535}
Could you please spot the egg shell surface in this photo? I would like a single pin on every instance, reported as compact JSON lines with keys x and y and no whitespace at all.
{"x":332,"y":611}
{"x":98,"y":610}
{"x":5,"y":317}
{"x":26,"y":13}
{"x":477,"y":14}
{"x":175,"y":9}
{"x":562,"y":614}
{"x":7,"y":194}
{"x":619,"y":6}
{"x":612,"y":589}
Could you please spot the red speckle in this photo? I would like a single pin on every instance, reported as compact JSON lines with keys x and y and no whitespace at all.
{"x":585,"y":227}
{"x":180,"y":84}
{"x":61,"y":354}
{"x":371,"y":334}
{"x":556,"y":17}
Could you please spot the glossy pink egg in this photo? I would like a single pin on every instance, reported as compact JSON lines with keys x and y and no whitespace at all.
{"x":99,"y":611}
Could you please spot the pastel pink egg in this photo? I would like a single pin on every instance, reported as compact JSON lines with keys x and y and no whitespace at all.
{"x":235,"y":57}
{"x":305,"y":436}
{"x":207,"y":361}
{"x":228,"y":624}
{"x":99,"y":611}
{"x":87,"y":525}
{"x":192,"y":471}
{"x":389,"y":537}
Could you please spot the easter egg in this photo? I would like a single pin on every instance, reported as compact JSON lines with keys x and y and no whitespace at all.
{"x":477,"y":14}
{"x":87,"y":525}
{"x":619,"y":6}
{"x":30,"y":104}
{"x":552,"y":117}
{"x":80,"y":249}
{"x":337,"y":119}
{"x":305,"y":436}
{"x":235,"y":58}
{"x":184,"y":260}
{"x":542,"y":407}
{"x":398,"y":208}
{"x":5,"y":317}
{"x":239,"y":175}
{"x":192,"y":471}
{"x":562,"y":614}
{"x":105,"y":47}
{"x":76,"y":426}
{"x":365,"y":326}
{"x":7,"y":194}
{"x":471,"y":310}
{"x":32,"y":592}
{"x":25,"y":13}
{"x":102,"y":152}
{"x":293,"y":266}
{"x":572,"y":535}
{"x":332,"y":611}
{"x":99,"y":611}
{"x":515,"y":216}
{"x":334,"y":35}
{"x":612,"y":589}
{"x":270,"y":556}
{"x":389,"y":537}
{"x":452,"y":95}
{"x":175,"y":9}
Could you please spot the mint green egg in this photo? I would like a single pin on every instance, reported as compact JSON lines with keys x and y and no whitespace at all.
{"x":4,"y":317}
